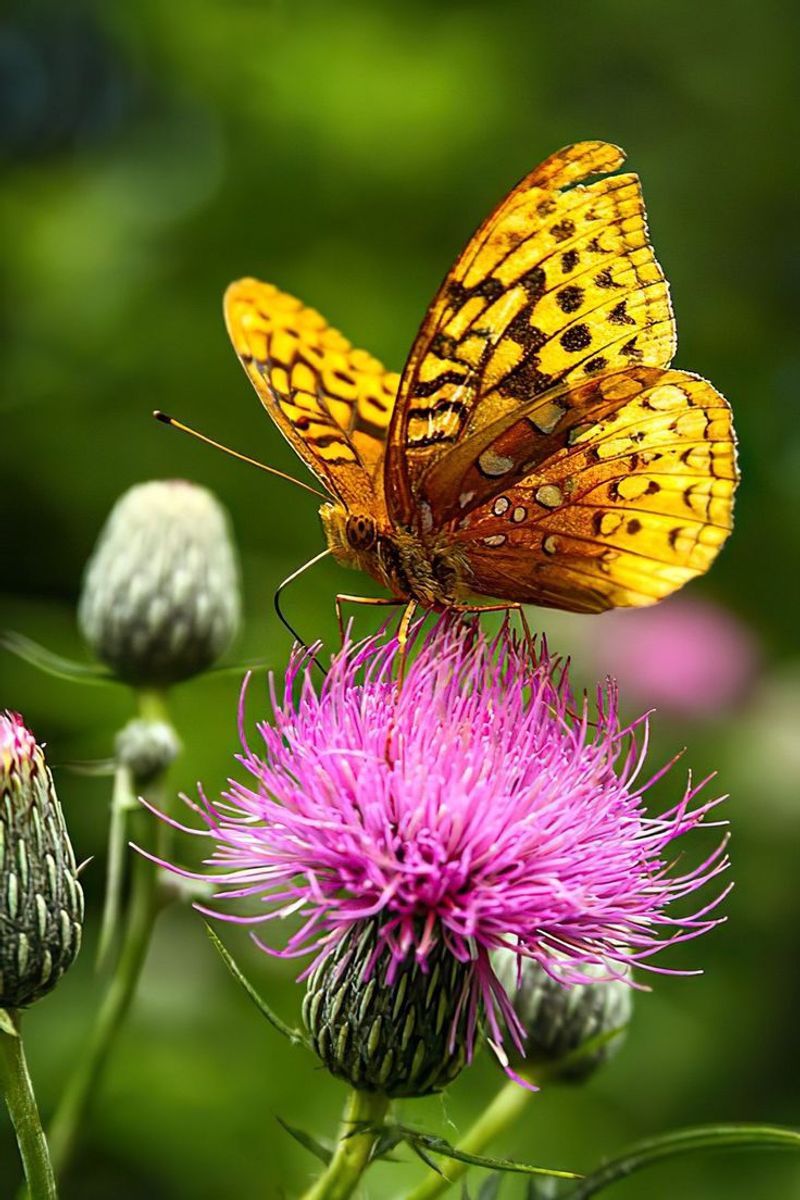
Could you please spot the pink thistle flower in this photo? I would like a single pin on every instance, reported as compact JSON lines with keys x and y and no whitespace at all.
{"x":468,"y":810}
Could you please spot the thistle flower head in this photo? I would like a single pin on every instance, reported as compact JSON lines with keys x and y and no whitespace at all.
{"x":465,"y":811}
{"x":160,"y":599}
{"x":569,"y":1030}
{"x":41,"y":903}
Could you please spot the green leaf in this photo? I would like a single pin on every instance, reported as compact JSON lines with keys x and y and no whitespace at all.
{"x":437,"y":1145}
{"x":685,"y":1141}
{"x":420,"y":1153}
{"x":320,"y":1151}
{"x":490,"y":1187}
{"x":295,"y":1036}
{"x":96,"y":768}
{"x":241,"y":668}
{"x":388,"y":1139}
{"x":53,"y":664}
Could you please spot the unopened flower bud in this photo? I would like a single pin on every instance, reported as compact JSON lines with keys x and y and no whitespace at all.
{"x":160,"y":599}
{"x":403,"y":1035}
{"x":41,"y":902}
{"x":146,"y":748}
{"x":559,"y":1020}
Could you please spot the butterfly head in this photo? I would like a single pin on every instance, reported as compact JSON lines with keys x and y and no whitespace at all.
{"x":403,"y":562}
{"x":360,"y":533}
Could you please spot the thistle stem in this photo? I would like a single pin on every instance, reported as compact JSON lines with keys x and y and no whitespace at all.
{"x":21,"y":1103}
{"x":509,"y":1103}
{"x":354,"y":1150}
{"x":684,"y":1141}
{"x":144,"y":902}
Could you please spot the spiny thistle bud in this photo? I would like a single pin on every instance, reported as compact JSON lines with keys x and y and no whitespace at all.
{"x":160,"y":599}
{"x":386,"y":1027}
{"x":41,"y":902}
{"x":559,"y":1020}
{"x":146,"y":748}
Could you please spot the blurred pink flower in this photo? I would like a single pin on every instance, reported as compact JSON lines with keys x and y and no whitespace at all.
{"x":692,"y":657}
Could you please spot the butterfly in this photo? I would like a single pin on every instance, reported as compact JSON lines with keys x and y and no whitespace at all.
{"x":537,"y":448}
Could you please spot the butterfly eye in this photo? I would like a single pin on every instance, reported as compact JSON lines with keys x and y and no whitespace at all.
{"x":360,"y":532}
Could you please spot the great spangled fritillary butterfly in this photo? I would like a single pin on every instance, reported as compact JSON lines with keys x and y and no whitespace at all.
{"x":537,"y":447}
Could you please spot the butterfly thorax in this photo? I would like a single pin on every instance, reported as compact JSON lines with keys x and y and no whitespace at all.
{"x":433,"y":572}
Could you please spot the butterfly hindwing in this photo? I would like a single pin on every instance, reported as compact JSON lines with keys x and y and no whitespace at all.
{"x":638,"y":503}
{"x":558,"y":286}
{"x":332,"y":402}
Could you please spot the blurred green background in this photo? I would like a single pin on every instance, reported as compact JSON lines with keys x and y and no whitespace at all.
{"x":155,"y":151}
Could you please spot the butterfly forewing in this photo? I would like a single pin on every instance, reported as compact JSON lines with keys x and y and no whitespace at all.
{"x":332,"y":402}
{"x":558,"y":286}
{"x":638,"y":503}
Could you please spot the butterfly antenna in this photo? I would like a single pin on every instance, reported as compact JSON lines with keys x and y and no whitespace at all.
{"x":280,"y":588}
{"x":201,"y":437}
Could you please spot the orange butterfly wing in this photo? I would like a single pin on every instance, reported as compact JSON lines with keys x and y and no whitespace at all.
{"x":557,"y":286}
{"x":638,"y":503}
{"x":332,"y":402}
{"x":537,"y":423}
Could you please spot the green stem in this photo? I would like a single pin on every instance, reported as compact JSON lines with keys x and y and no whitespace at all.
{"x":143,"y":907}
{"x":353,"y":1153}
{"x":115,"y":866}
{"x":153,"y":705}
{"x":506,"y":1107}
{"x":21,"y":1103}
{"x":684,"y":1141}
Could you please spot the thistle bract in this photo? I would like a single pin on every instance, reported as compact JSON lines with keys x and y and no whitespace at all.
{"x":41,"y":902}
{"x":560,"y":1021}
{"x":404,"y":1038}
{"x":160,"y":599}
{"x":146,"y":748}
{"x":469,"y":809}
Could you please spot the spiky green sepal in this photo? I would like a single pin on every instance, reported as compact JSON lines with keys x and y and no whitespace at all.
{"x":402,"y":1035}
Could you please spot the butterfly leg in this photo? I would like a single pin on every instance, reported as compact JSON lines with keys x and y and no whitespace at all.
{"x":513,"y":606}
{"x":383,"y":601}
{"x":402,"y":640}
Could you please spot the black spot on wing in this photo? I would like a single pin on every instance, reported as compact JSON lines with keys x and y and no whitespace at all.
{"x":619,"y":314}
{"x":570,"y":298}
{"x":563,"y":230}
{"x":576,"y":338}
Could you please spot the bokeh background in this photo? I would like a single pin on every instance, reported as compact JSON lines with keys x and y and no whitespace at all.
{"x":153,"y":152}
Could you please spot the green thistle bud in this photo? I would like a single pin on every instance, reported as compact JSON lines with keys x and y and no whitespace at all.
{"x":392,"y":1037}
{"x":146,"y":748}
{"x":160,"y":599}
{"x":560,"y":1020}
{"x":41,"y":902}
